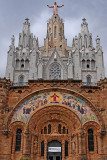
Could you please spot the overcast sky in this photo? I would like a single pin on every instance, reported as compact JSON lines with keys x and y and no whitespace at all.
{"x":14,"y":12}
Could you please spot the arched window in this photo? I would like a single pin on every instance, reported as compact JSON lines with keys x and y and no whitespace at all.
{"x":42,"y":148}
{"x":41,"y":131}
{"x":83,"y":64}
{"x":85,"y":37}
{"x":21,"y":79}
{"x":49,"y":129}
{"x":18,"y":140}
{"x":92,"y":64}
{"x":80,"y":42}
{"x":88,"y":64}
{"x":55,"y":31}
{"x":63,"y":130}
{"x":25,"y":40}
{"x":61,"y":34}
{"x":45,"y":130}
{"x":55,"y":71}
{"x":27,"y":64}
{"x":90,"y":140}
{"x":66,"y":148}
{"x":22,"y":64}
{"x":88,"y":80}
{"x":17,"y":64}
{"x":59,"y":128}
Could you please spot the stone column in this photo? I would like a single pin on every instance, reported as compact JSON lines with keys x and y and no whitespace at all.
{"x":82,"y":144}
{"x":63,"y":150}
{"x":45,"y":149}
{"x":77,"y":144}
{"x":13,"y":147}
{"x":95,"y":143}
{"x":26,"y":151}
{"x":32,"y":146}
{"x":69,"y":147}
{"x":99,"y":143}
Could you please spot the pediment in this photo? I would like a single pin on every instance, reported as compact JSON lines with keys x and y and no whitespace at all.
{"x":55,"y":58}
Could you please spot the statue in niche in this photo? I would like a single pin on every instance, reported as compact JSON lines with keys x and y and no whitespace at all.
{"x":35,"y":143}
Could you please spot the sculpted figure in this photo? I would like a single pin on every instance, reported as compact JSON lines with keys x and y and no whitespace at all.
{"x":55,"y":6}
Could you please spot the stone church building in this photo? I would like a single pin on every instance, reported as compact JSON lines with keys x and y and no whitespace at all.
{"x":53,"y":101}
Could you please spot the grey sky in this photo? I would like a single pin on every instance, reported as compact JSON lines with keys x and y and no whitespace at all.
{"x":14,"y":12}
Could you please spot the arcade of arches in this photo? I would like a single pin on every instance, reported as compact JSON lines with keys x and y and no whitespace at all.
{"x":53,"y":124}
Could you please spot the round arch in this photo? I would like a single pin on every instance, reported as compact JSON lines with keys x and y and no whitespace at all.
{"x":54,"y":112}
{"x":64,"y":91}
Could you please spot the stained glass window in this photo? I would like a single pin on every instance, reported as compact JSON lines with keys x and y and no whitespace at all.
{"x":55,"y":71}
{"x":49,"y":129}
{"x":90,"y":140}
{"x":63,"y":130}
{"x":42,"y":148}
{"x":55,"y":30}
{"x":66,"y":148}
{"x":45,"y":130}
{"x":18,"y":140}
{"x":59,"y":128}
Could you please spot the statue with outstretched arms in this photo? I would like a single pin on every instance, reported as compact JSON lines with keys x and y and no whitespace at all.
{"x":55,"y":6}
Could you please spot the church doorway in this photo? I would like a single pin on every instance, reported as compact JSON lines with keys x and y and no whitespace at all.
{"x":54,"y":150}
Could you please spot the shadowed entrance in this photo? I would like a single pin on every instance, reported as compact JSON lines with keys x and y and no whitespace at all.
{"x":54,"y":150}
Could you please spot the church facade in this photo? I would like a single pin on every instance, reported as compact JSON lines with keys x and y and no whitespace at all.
{"x":53,"y":101}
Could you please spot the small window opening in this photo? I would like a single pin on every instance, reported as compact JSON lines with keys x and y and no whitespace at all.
{"x":66,"y":148}
{"x":49,"y":129}
{"x":18,"y":140}
{"x":90,"y":140}
{"x":88,"y":66}
{"x":59,"y":128}
{"x":45,"y":130}
{"x":42,"y":148}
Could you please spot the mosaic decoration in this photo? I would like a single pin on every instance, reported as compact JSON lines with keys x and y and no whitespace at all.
{"x":28,"y":108}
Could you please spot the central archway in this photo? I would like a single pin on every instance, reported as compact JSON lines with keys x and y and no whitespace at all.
{"x":54,"y":150}
{"x":53,"y":126}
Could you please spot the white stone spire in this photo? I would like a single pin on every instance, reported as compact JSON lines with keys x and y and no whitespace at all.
{"x":13,"y":40}
{"x":84,"y":26}
{"x":98,"y":42}
{"x":26,"y":26}
{"x":85,"y":37}
{"x":26,"y":37}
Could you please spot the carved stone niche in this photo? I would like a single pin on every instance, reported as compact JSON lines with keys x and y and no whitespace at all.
{"x":54,"y":116}
{"x":6,"y":132}
{"x":35,"y":143}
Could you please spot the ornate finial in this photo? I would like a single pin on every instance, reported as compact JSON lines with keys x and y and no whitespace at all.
{"x":26,"y":20}
{"x":55,"y":6}
{"x":12,"y":40}
{"x":98,"y":41}
{"x":84,"y":21}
